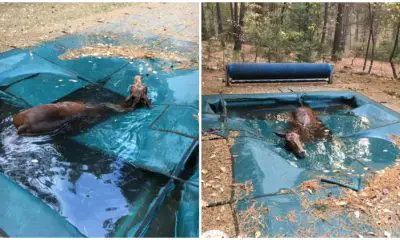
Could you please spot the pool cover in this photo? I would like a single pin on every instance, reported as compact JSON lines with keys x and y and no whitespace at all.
{"x":361,"y":144}
{"x":156,"y":141}
{"x":279,"y":71}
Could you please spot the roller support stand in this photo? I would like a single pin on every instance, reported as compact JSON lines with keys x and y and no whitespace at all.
{"x":330,"y":79}
{"x":227,"y":83}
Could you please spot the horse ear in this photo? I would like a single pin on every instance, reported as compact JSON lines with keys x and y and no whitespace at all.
{"x":280,"y":134}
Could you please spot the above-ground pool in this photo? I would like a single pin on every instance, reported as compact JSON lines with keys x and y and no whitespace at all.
{"x":361,"y":144}
{"x":121,"y":177}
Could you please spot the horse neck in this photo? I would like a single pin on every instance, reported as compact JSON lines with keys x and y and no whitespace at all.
{"x":115,"y":107}
{"x":104,"y":108}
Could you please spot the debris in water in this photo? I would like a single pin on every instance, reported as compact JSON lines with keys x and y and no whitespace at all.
{"x":312,"y":185}
{"x":129,"y":52}
{"x":252,"y":220}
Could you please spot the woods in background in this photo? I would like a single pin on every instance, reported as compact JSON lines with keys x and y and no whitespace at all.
{"x":303,"y":32}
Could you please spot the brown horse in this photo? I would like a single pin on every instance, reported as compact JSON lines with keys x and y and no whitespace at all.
{"x":138,"y":94}
{"x":47,"y":118}
{"x":305,"y":127}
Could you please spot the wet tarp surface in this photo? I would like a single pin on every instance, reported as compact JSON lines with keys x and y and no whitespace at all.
{"x":111,"y":178}
{"x":361,"y":143}
{"x":189,"y":209}
{"x":19,"y":203}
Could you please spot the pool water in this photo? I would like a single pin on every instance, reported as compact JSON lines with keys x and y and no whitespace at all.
{"x":360,"y":145}
{"x":92,"y":190}
{"x":108,"y":176}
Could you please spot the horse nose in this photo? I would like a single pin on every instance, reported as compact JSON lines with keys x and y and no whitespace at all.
{"x":302,"y":154}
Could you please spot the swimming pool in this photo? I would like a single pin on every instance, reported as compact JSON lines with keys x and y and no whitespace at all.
{"x":361,"y":144}
{"x":109,"y":179}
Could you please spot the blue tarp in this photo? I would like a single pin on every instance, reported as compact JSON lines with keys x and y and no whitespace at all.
{"x":139,"y":153}
{"x":187,"y":219}
{"x":361,"y":144}
{"x":21,"y":211}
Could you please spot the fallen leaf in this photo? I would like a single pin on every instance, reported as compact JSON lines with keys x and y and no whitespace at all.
{"x":387,"y":234}
{"x":385,"y":191}
{"x":341,"y":203}
{"x":387,"y":211}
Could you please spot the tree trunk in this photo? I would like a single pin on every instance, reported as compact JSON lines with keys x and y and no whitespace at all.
{"x":214,"y":25}
{"x":356,"y":33}
{"x":350,"y":36}
{"x":220,"y":29}
{"x":396,"y":42}
{"x":283,"y":9}
{"x":345,"y":28}
{"x":238,"y":25}
{"x":373,"y":37}
{"x":231,"y":32}
{"x":370,"y":36}
{"x":372,"y":52}
{"x":231,"y":8}
{"x":204,"y":34}
{"x":326,"y":7}
{"x":242,"y":12}
{"x":234,"y":20}
{"x":366,"y":53}
{"x":336,"y":50}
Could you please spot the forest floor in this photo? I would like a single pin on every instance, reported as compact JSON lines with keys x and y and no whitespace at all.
{"x":27,"y":24}
{"x":379,"y":86}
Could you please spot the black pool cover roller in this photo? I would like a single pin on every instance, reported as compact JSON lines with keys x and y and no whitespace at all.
{"x":279,"y":71}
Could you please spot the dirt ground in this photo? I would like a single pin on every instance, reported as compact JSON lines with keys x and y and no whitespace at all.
{"x":377,"y":204}
{"x":219,"y":168}
{"x":379,"y":86}
{"x":38,"y":22}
